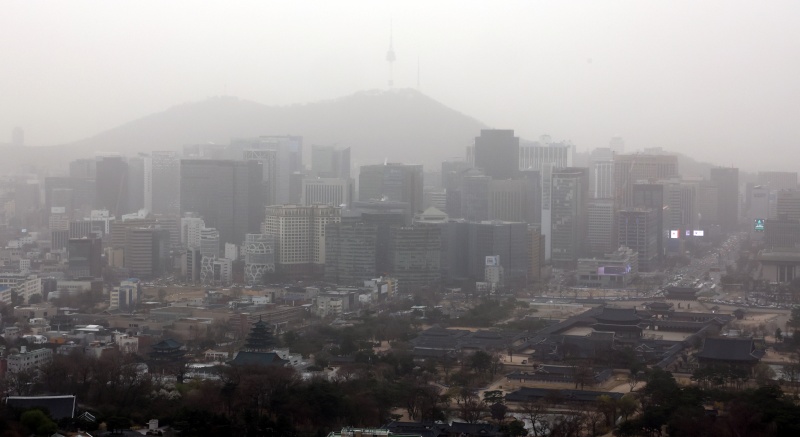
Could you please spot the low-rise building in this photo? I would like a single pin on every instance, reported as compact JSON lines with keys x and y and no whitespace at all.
{"x":614,"y":270}
{"x":29,"y":359}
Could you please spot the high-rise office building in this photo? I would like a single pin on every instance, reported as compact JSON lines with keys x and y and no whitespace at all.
{"x":651,"y":196}
{"x":229,"y":195}
{"x":537,"y":155}
{"x":111,"y":185}
{"x":570,"y":197}
{"x":727,"y":181}
{"x":514,"y":200}
{"x":288,"y":160}
{"x":788,"y":205}
{"x":414,"y":256}
{"x":84,"y":258}
{"x":209,"y":242}
{"x":299,"y":235}
{"x":509,"y":241}
{"x":778,"y":180}
{"x":638,"y":230}
{"x":83,"y":169}
{"x":759,"y":209}
{"x":601,"y":174}
{"x":147,"y":252}
{"x":327,"y":191}
{"x":452,"y":172}
{"x":475,"y":198}
{"x":497,"y":153}
{"x":396,"y":182}
{"x":162,"y":179}
{"x":350,"y":253}
{"x":26,"y":203}
{"x":190,"y":231}
{"x":136,"y":183}
{"x":330,"y":162}
{"x":636,"y":168}
{"x":601,"y":230}
{"x":680,"y":200}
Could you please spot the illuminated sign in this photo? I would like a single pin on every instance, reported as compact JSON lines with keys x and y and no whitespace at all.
{"x":674,"y":234}
{"x":759,"y":225}
{"x":493,"y":260}
{"x":699,"y":233}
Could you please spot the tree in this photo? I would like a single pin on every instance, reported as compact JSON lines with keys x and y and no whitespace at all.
{"x":537,"y":413}
{"x":627,"y":405}
{"x":38,"y":423}
{"x":35,"y":298}
{"x":468,"y":405}
{"x":480,"y":361}
{"x":763,"y":374}
{"x":515,"y":428}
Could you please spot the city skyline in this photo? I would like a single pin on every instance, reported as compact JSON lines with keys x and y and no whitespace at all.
{"x":681,"y":76}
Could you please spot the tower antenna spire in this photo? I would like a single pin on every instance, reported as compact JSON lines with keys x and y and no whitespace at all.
{"x":390,"y":57}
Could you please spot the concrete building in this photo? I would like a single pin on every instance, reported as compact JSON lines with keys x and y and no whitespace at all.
{"x":497,"y":153}
{"x":299,"y":234}
{"x":614,"y":270}
{"x":190,"y":231}
{"x":229,"y":195}
{"x":162,"y":178}
{"x":679,"y":210}
{"x":781,"y":232}
{"x":633,"y":168}
{"x":475,"y":198}
{"x":788,"y":204}
{"x":327,"y":191}
{"x":570,"y":198}
{"x":414,"y":256}
{"x":510,"y":241}
{"x":23,"y":285}
{"x":147,"y":252}
{"x":85,"y":258}
{"x":127,"y":296}
{"x":601,"y":174}
{"x":538,"y":155}
{"x":514,"y":200}
{"x":778,"y":266}
{"x":209,"y":242}
{"x":216,"y":271}
{"x":111,"y":185}
{"x":758,"y":209}
{"x":259,"y":258}
{"x":777,"y":180}
{"x":394,"y":182}
{"x":652,"y":196}
{"x":601,"y":231}
{"x":330,"y":162}
{"x":727,"y":181}
{"x":29,"y":359}
{"x":288,"y":160}
{"x":351,"y":253}
{"x":638,"y":230}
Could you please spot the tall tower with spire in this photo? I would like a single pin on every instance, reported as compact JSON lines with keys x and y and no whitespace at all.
{"x":390,"y":58}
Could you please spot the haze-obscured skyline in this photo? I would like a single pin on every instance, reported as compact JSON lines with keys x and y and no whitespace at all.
{"x":714,"y":80}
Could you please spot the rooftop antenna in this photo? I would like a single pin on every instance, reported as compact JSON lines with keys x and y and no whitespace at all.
{"x":390,"y":56}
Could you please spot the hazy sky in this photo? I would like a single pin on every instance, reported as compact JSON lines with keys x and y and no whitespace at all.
{"x":704,"y":78}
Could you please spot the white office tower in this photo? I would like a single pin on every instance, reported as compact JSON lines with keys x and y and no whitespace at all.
{"x":259,"y":258}
{"x":327,"y":191}
{"x":534,"y":156}
{"x":190,"y":231}
{"x":209,"y":242}
{"x":601,"y":174}
{"x":218,"y":271}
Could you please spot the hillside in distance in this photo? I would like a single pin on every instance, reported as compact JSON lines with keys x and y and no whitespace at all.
{"x":399,"y":125}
